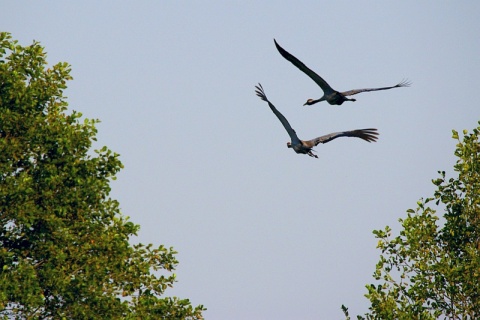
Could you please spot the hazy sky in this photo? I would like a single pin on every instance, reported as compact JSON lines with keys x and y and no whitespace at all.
{"x":264,"y":233}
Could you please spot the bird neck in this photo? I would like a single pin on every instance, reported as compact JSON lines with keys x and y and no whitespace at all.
{"x":312,"y":101}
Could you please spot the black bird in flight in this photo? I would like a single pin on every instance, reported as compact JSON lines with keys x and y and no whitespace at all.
{"x":329,"y":94}
{"x":305,"y":147}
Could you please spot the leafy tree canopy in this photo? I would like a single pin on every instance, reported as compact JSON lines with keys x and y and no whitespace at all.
{"x":64,"y":250}
{"x":432,"y":269}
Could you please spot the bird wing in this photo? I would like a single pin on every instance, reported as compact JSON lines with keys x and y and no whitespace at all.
{"x":297,"y":63}
{"x":293,"y":135}
{"x":369,"y":135}
{"x":404,"y":83}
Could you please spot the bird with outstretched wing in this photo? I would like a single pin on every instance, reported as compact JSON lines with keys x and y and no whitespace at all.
{"x":329,"y":94}
{"x":305,"y":146}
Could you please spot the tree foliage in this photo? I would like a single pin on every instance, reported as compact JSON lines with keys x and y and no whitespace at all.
{"x":432,"y":269}
{"x":64,"y":249}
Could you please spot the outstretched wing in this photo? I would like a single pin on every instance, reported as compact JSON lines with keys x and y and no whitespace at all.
{"x":404,"y":83}
{"x":297,"y":63}
{"x":283,"y":120}
{"x":369,"y":135}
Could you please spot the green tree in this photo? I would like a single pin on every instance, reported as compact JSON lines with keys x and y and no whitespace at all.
{"x":432,"y":269}
{"x":64,"y":250}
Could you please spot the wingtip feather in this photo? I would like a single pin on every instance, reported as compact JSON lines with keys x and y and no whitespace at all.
{"x":369,"y":135}
{"x":404,"y":83}
{"x":260,"y":92}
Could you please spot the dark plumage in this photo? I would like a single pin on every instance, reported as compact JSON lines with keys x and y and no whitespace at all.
{"x":305,"y":147}
{"x":329,"y":94}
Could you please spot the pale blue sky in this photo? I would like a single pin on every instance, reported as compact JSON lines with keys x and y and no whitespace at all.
{"x":264,"y":233}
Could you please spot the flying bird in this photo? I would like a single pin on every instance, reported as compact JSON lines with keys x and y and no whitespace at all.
{"x":329,"y":94}
{"x":305,"y":147}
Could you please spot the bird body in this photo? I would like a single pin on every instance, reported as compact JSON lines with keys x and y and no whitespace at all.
{"x":330,"y":95}
{"x":306,"y":146}
{"x":332,"y":98}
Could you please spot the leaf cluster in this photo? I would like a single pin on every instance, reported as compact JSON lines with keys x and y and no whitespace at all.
{"x":64,"y":245}
{"x":431,"y":270}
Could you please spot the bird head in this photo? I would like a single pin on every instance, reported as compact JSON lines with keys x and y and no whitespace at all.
{"x":309,"y":102}
{"x":289,"y":144}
